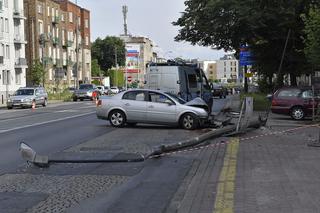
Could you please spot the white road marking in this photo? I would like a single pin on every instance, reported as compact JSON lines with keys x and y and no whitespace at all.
{"x":45,"y":122}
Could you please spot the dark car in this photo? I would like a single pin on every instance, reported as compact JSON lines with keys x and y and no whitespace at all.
{"x":294,"y":101}
{"x":84,"y":92}
{"x":219,"y":91}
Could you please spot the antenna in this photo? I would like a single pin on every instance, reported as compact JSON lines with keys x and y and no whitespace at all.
{"x":125,"y":11}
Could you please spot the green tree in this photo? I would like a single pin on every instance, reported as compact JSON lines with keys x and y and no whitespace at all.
{"x":37,"y":72}
{"x":312,"y":36}
{"x":262,"y":25}
{"x":107,"y":50}
{"x":95,"y":68}
{"x":117,"y":77}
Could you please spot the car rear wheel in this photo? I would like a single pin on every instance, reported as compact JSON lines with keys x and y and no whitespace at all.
{"x":9,"y":107}
{"x":75,"y":99}
{"x":297,"y":113}
{"x":117,"y":118}
{"x":189,"y":121}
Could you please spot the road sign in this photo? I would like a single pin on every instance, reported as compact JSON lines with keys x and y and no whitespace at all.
{"x":245,"y":57}
{"x":249,"y":74}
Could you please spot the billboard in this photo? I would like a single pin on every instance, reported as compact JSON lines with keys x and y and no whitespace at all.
{"x":132,"y":58}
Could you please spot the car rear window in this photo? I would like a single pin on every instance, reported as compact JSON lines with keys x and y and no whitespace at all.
{"x":289,"y":93}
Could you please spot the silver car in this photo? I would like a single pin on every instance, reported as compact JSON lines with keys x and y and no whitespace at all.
{"x":151,"y":106}
{"x":26,"y":96}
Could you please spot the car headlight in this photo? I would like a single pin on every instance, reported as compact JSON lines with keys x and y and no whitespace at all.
{"x":9,"y":100}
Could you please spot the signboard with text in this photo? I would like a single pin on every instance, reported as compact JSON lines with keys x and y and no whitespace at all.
{"x":245,"y":58}
{"x":132,"y":58}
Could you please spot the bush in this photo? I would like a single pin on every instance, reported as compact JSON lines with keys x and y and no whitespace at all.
{"x":260,"y":101}
{"x":64,"y":96}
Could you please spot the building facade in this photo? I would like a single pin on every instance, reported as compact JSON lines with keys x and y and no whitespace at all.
{"x":210,"y":69}
{"x":140,"y":52}
{"x":56,"y":29}
{"x":12,"y":47}
{"x":228,"y":69}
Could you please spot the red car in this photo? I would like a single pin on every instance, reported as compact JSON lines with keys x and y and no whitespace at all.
{"x":297,"y":102}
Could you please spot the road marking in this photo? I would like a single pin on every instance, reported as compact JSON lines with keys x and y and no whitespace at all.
{"x":46,"y":122}
{"x":224,"y":202}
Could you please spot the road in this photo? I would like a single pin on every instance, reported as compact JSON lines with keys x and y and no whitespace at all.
{"x":72,"y":130}
{"x":49,"y":130}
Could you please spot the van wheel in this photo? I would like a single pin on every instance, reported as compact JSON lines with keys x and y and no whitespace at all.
{"x":189,"y":121}
{"x":117,"y":118}
{"x":297,"y":113}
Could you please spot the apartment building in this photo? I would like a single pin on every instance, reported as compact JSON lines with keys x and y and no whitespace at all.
{"x":53,"y":26}
{"x":12,"y":47}
{"x":140,"y":52}
{"x":228,"y":69}
{"x":210,"y":69}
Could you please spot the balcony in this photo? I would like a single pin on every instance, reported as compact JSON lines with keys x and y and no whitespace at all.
{"x":18,"y":39}
{"x":19,"y":14}
{"x":68,"y":44}
{"x":21,"y":63}
{"x":55,"y":41}
{"x":1,"y":36}
{"x":55,"y":20}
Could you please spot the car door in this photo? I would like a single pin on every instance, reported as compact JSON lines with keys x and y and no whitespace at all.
{"x":160,"y":108}
{"x":135,"y":105}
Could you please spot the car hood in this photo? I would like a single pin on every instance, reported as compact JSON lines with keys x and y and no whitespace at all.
{"x":198,"y":102}
{"x":20,"y":97}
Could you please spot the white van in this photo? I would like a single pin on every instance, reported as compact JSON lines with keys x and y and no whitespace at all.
{"x":185,"y":80}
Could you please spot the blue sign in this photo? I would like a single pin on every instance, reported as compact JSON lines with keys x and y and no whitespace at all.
{"x":245,"y":58}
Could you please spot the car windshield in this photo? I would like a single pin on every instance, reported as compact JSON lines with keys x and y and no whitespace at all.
{"x":24,"y":92}
{"x":85,"y":86}
{"x":176,"y":98}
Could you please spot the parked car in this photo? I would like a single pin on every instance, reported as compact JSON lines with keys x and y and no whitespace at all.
{"x":114,"y":90}
{"x":25,"y":96}
{"x":84,"y":92}
{"x":101,"y":90}
{"x":294,"y":101}
{"x":151,"y":106}
{"x":219,"y":91}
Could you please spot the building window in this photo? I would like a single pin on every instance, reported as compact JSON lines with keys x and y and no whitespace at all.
{"x":86,"y":23}
{"x":7,"y":52}
{"x":48,"y":11}
{"x":18,"y":76}
{"x":70,"y":17}
{"x":2,"y":24}
{"x":6,"y":77}
{"x":52,"y":12}
{"x":62,"y":17}
{"x":87,"y":40}
{"x":39,"y":8}
{"x":6,"y":3}
{"x":40,"y":27}
{"x":6,"y":25}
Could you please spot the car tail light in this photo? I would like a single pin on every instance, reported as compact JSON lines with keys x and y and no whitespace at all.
{"x":99,"y":103}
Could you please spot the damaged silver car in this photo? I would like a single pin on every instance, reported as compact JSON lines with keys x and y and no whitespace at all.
{"x":152,"y":107}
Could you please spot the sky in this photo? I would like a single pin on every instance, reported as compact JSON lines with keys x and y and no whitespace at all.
{"x":150,"y":18}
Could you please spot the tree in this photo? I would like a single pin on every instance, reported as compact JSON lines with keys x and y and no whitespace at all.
{"x":37,"y":72}
{"x":312,"y":36}
{"x":117,"y":77}
{"x":95,"y":68}
{"x":106,"y":51}
{"x":261,"y":25}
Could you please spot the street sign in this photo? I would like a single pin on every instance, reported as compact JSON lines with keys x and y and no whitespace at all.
{"x":245,"y":57}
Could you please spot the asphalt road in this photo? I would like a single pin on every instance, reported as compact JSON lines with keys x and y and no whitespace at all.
{"x":48,"y":130}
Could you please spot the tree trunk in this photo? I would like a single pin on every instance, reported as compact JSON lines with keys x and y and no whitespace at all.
{"x":293,"y":79}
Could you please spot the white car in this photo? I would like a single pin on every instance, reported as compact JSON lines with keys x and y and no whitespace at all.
{"x":114,"y":90}
{"x":153,"y":107}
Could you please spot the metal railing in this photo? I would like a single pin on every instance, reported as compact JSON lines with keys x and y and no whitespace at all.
{"x":21,"y":62}
{"x":17,"y":13}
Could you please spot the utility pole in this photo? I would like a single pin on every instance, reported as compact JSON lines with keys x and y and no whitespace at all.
{"x":116,"y":62}
{"x":125,"y":11}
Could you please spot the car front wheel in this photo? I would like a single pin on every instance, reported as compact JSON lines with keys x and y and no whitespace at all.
{"x":297,"y":113}
{"x":189,"y":121}
{"x":45,"y":103}
{"x":117,"y":118}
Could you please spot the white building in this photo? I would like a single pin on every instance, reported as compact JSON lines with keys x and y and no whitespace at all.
{"x":12,"y":47}
{"x":209,"y":68}
{"x":228,"y":69}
